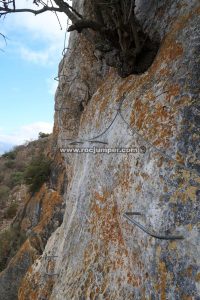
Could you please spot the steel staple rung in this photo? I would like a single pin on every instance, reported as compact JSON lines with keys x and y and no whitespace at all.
{"x":148,"y":231}
{"x":48,"y":257}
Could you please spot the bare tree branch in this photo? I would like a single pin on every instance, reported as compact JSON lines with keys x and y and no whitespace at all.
{"x":4,"y":37}
{"x":35,"y":12}
{"x":117,"y":33}
{"x":62,"y":7}
{"x":72,"y":14}
{"x":80,"y":25}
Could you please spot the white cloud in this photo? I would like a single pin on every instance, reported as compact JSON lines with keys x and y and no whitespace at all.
{"x":42,"y":57}
{"x":39,"y":57}
{"x":43,"y":31}
{"x":43,"y":26}
{"x":25,"y":133}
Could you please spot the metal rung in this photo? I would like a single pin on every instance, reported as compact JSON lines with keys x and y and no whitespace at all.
{"x":51,"y":274}
{"x":148,"y":231}
{"x":50,"y":257}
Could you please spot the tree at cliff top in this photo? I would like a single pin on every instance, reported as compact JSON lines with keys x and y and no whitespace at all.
{"x":112,"y":28}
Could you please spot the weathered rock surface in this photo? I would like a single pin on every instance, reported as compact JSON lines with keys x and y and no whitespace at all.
{"x":38,"y":216}
{"x":96,"y":253}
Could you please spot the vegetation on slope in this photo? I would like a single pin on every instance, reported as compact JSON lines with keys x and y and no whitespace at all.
{"x":22,"y":172}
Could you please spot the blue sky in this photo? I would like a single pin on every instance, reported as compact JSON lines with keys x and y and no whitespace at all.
{"x":28,"y":65}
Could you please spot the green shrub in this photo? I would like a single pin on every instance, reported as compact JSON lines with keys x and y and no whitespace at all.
{"x":16,"y":178}
{"x":10,"y":155}
{"x":20,"y":165}
{"x":42,"y":135}
{"x":5,"y":244}
{"x":37,"y":172}
{"x":10,"y":164}
{"x":11,"y":211}
{"x":10,"y":241}
{"x":1,"y":178}
{"x":4,"y":193}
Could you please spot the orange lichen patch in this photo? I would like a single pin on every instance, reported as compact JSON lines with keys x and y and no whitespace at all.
{"x":98,"y":261}
{"x":138,"y":188}
{"x":163,"y":139}
{"x":135,"y":261}
{"x":164,"y":72}
{"x":185,"y":100}
{"x":173,"y":90}
{"x":32,"y":295}
{"x":178,"y":195}
{"x":105,"y":218}
{"x":104,"y":104}
{"x":180,"y":158}
{"x":157,"y":124}
{"x":50,"y":201}
{"x":186,"y":297}
{"x":102,"y":197}
{"x":29,"y":288}
{"x":133,"y":115}
{"x":127,"y":85}
{"x":189,"y":227}
{"x":141,"y":111}
{"x":25,"y":248}
{"x":183,"y":20}
{"x":104,"y":223}
{"x":165,"y":189}
{"x":185,"y":174}
{"x":149,"y":95}
{"x":163,"y":278}
{"x":158,"y":251}
{"x":144,"y":175}
{"x":197,"y":277}
{"x":169,"y":50}
{"x":47,"y":289}
{"x":28,"y":284}
{"x":175,"y":49}
{"x":134,"y":280}
{"x":159,"y":164}
{"x":184,"y":193}
{"x":189,"y":271}
{"x":173,"y":245}
{"x":92,"y":256}
{"x":125,"y":177}
{"x":191,"y":192}
{"x":160,"y":114}
{"x":172,"y":51}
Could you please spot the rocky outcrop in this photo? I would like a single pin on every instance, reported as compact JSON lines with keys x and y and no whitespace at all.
{"x":97,"y":253}
{"x":38,"y":216}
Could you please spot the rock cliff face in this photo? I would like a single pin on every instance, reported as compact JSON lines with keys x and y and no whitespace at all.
{"x":97,"y":253}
